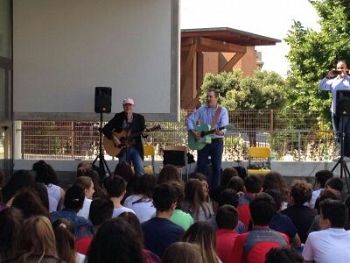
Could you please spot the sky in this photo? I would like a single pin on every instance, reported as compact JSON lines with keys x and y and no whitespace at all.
{"x":270,"y":18}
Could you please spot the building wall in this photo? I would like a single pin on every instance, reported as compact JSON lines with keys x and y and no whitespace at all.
{"x":247,"y":64}
{"x":210,"y":62}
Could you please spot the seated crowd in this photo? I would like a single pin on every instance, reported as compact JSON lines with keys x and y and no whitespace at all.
{"x":149,"y":219}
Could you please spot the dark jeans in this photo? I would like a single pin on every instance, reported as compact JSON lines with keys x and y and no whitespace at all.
{"x":214,"y":150}
{"x":338,"y":122}
{"x":132,"y":156}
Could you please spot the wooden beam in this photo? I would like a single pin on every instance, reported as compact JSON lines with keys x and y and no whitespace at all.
{"x":189,"y":59}
{"x":219,"y":46}
{"x":188,"y":41}
{"x":229,"y":65}
{"x":185,"y":70}
{"x":193,"y":103}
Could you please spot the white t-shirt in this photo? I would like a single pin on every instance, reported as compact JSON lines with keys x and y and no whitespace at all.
{"x":84,"y":211}
{"x":142,"y":206}
{"x":315,"y":195}
{"x":55,"y":194}
{"x":80,"y":258}
{"x":120,"y":210}
{"x":329,"y":245}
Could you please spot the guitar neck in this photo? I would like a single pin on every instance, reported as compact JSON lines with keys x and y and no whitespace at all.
{"x":155,"y":128}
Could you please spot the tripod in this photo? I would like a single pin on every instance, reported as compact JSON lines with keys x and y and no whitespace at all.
{"x":344,"y":170}
{"x":102,"y":167}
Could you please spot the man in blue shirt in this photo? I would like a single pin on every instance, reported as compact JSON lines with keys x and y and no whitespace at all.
{"x":217,"y":117}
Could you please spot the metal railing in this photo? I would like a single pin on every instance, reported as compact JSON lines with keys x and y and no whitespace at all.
{"x":80,"y":140}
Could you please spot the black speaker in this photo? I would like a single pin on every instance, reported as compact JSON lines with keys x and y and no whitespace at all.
{"x":103,"y":97}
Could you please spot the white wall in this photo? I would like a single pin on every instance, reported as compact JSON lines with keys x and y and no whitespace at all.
{"x":63,"y":49}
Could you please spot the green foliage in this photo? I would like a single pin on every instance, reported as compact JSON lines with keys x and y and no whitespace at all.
{"x":223,"y":82}
{"x":313,"y":53}
{"x":263,"y":90}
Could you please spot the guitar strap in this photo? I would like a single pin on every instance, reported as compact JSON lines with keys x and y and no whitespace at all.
{"x":215,"y":117}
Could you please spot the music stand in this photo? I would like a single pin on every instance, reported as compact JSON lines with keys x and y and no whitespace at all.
{"x":343,"y":112}
{"x":102,"y":166}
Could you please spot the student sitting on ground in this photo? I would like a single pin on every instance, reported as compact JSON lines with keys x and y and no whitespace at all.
{"x":140,"y":201}
{"x":202,"y":233}
{"x":19,"y":180}
{"x":116,"y":189}
{"x":251,"y":247}
{"x":159,"y":232}
{"x":36,"y":243}
{"x":283,"y":223}
{"x":169,"y":173}
{"x":226,"y":197}
{"x":44,"y":173}
{"x":226,"y":219}
{"x":89,"y":189}
{"x":64,"y":234}
{"x":285,"y":255}
{"x":115,"y":241}
{"x":253,"y":185}
{"x":132,"y":219}
{"x":73,"y":202}
{"x":321,"y":178}
{"x":301,"y":215}
{"x":101,"y":210}
{"x":325,"y":194}
{"x":195,"y":201}
{"x":28,"y":201}
{"x":180,"y":217}
{"x":86,"y":169}
{"x":332,"y":243}
{"x":182,"y":252}
{"x":335,"y":184}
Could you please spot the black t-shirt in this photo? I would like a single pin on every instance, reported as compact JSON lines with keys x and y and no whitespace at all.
{"x":302,"y":217}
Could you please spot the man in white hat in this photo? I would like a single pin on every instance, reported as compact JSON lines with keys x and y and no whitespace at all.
{"x":125,"y":129}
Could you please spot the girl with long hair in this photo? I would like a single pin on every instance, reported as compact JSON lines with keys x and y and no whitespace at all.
{"x":37,"y":241}
{"x":116,"y":241}
{"x":195,"y":201}
{"x":202,"y":233}
{"x":65,"y":240}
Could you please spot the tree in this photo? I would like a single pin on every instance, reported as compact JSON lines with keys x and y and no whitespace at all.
{"x":263,"y":90}
{"x":313,"y":53}
{"x":224,"y":82}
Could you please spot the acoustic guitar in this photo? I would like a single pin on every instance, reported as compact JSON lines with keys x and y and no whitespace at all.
{"x":126,"y":138}
{"x":205,"y":131}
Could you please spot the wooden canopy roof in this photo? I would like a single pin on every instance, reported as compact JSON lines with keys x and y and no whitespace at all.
{"x":218,"y":39}
{"x":229,"y":35}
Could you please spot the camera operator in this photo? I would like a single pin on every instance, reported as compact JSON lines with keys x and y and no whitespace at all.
{"x":336,"y":80}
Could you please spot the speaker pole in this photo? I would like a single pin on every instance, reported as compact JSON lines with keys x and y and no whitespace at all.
{"x":102,"y":166}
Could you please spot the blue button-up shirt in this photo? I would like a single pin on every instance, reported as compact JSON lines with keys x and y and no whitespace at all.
{"x":204,"y":115}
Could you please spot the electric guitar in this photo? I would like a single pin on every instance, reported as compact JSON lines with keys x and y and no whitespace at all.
{"x":126,"y":138}
{"x":199,"y":144}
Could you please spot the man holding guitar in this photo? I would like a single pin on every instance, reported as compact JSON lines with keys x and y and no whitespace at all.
{"x":214,"y":117}
{"x":125,"y":131}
